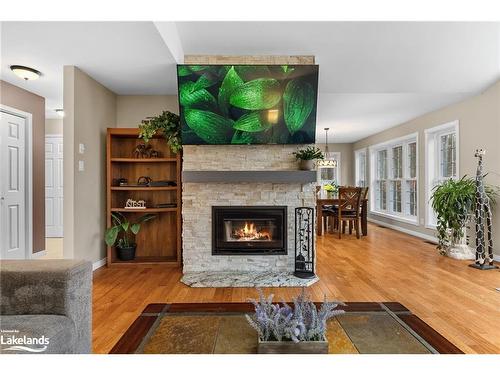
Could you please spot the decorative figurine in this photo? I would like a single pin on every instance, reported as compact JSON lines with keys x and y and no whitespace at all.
{"x":484,"y":259}
{"x":144,"y":150}
{"x":134,"y":205}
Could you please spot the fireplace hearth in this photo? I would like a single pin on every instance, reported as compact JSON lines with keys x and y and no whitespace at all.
{"x":249,"y":230}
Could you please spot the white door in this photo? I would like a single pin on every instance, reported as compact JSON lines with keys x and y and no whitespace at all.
{"x":54,"y":186}
{"x":12,"y":187}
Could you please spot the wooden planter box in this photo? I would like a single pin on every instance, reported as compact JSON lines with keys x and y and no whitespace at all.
{"x":290,"y":347}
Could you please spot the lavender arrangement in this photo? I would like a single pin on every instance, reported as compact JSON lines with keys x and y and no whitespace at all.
{"x":281,"y":322}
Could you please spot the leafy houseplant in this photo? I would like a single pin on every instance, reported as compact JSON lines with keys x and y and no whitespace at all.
{"x":125,"y":247}
{"x":166,"y":124}
{"x":306,"y":157}
{"x":286,"y":329}
{"x":454,"y":201}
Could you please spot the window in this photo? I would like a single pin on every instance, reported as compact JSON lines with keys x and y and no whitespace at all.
{"x":360,"y":168}
{"x":441,"y":145}
{"x":327,"y":175}
{"x":394,"y":179}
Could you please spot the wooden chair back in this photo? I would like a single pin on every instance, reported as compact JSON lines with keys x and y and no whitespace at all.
{"x":350,"y":201}
{"x":364,"y":193}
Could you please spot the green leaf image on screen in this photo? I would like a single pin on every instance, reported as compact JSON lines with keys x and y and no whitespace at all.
{"x":248,"y":104}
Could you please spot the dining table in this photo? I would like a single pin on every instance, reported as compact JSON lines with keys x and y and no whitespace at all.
{"x":321,"y":202}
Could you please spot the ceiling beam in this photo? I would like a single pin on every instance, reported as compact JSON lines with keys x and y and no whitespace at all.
{"x":170,"y":35}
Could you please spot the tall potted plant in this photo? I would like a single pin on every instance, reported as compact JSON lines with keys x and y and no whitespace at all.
{"x":307,"y":156}
{"x":283,"y":329}
{"x":453,"y":201}
{"x":122,"y":234}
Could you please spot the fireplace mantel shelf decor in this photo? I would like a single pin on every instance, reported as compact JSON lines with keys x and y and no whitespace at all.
{"x":282,"y":176}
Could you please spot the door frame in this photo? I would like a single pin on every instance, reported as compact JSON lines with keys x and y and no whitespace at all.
{"x":28,"y":174}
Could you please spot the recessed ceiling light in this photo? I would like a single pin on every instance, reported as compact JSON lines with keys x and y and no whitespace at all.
{"x":25,"y":72}
{"x":60,"y":112}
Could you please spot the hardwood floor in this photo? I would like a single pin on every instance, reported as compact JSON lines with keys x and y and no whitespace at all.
{"x":457,"y":301}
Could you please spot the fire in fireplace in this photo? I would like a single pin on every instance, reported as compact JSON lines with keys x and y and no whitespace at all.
{"x":249,"y":230}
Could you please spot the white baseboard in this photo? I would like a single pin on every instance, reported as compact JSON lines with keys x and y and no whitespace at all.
{"x":404,"y":230}
{"x":38,"y":254}
{"x":98,"y":264}
{"x":496,"y":257}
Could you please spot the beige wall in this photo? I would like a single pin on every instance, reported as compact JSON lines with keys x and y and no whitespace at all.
{"x":54,"y":126}
{"x":346,"y":160}
{"x":89,"y":108}
{"x":479,"y":127}
{"x":132,"y":109}
{"x":26,"y":101}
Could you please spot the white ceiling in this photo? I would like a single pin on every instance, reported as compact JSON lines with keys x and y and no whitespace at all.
{"x":373,"y":75}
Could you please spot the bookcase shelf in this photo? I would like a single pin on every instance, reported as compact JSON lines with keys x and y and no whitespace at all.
{"x":159,"y":240}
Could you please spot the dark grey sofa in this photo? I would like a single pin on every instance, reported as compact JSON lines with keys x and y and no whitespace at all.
{"x":46,"y":299}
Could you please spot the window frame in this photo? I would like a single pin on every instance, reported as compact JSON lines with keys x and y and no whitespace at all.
{"x":374,"y":180}
{"x":433,"y":171}
{"x":358,"y":155}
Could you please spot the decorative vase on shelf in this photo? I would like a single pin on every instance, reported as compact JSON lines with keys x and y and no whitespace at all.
{"x":306,"y":165}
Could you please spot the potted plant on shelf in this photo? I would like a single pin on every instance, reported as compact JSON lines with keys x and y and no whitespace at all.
{"x":167,"y":124}
{"x":307,"y":156}
{"x":283,"y":329}
{"x":122,"y":233}
{"x":453,"y":201}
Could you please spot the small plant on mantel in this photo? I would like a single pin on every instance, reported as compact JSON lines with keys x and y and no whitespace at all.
{"x":167,"y":124}
{"x":306,"y":157}
{"x":291,"y":326}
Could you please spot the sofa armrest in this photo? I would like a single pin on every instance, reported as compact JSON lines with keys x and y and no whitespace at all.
{"x":54,"y":287}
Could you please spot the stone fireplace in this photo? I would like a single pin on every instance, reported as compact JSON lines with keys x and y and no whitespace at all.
{"x":200,"y":199}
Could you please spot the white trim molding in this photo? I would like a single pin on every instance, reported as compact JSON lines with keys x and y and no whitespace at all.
{"x":404,"y":230}
{"x":99,"y":264}
{"x":28,"y":174}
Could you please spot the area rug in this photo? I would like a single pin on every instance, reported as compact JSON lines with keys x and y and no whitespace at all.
{"x":221,"y":328}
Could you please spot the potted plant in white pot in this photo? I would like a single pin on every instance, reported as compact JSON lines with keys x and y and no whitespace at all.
{"x":297,"y":329}
{"x":122,"y":234}
{"x":453,"y":201}
{"x":307,"y":156}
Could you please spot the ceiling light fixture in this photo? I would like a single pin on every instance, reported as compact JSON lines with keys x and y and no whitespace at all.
{"x":60,"y":112}
{"x":326,"y":163}
{"x":25,"y":72}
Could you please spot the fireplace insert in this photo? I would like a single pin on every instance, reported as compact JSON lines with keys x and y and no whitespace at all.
{"x":249,"y":230}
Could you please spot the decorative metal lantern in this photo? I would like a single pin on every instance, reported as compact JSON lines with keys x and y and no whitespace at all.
{"x":304,"y":242}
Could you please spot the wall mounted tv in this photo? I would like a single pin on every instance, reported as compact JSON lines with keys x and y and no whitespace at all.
{"x":248,"y":104}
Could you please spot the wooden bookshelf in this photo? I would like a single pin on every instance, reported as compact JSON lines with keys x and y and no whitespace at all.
{"x":159,"y":240}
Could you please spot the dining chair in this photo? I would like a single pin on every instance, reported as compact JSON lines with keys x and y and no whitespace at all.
{"x":349,"y":209}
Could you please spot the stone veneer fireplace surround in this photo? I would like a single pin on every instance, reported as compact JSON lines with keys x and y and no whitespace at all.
{"x":199,"y":198}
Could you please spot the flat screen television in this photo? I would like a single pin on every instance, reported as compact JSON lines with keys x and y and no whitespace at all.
{"x":248,"y":104}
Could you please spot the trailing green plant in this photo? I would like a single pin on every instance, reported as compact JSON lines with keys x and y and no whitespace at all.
{"x":453,"y":201}
{"x":309,"y":153}
{"x":167,"y":124}
{"x":123,"y":231}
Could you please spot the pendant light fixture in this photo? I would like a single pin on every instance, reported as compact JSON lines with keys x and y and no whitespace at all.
{"x":25,"y":72}
{"x":326,"y":163}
